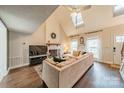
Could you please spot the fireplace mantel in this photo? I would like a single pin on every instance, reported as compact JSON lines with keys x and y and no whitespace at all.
{"x":49,"y":44}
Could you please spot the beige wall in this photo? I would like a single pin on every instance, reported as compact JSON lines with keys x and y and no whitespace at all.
{"x":106,"y":37}
{"x":52,"y":25}
{"x":19,"y":42}
{"x":18,"y":45}
{"x":95,"y":18}
{"x":64,"y":40}
{"x":108,"y":41}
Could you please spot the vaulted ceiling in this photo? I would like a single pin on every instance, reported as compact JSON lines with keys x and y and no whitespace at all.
{"x":95,"y":18}
{"x":25,"y":19}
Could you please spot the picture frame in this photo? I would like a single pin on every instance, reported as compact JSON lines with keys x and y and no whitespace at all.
{"x":81,"y":40}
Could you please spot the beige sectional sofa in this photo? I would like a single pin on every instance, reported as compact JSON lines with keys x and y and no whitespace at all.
{"x":65,"y":76}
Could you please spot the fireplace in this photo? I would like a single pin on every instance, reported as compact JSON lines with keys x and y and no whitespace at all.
{"x":54,"y":52}
{"x":54,"y":49}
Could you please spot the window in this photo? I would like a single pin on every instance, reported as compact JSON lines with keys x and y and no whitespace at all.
{"x":93,"y":46}
{"x":119,"y":39}
{"x":77,"y":19}
{"x":118,"y":10}
{"x":74,"y":45}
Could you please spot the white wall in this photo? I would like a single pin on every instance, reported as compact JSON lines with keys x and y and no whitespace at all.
{"x":106,"y":38}
{"x":3,"y":50}
{"x":106,"y":54}
{"x":19,"y":42}
{"x":19,"y":46}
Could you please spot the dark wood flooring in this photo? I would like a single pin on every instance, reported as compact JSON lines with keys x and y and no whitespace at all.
{"x":101,"y":76}
{"x":98,"y":76}
{"x":25,"y":77}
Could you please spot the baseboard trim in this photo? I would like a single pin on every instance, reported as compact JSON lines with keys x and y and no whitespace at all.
{"x":115,"y":66}
{"x":14,"y":67}
{"x":2,"y":76}
{"x":106,"y":62}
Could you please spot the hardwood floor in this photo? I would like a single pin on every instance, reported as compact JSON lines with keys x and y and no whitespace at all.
{"x":101,"y":76}
{"x":25,"y":77}
{"x":98,"y":76}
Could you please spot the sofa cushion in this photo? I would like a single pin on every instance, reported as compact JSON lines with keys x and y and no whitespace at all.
{"x":65,"y":63}
{"x":62,"y":64}
{"x":50,"y":60}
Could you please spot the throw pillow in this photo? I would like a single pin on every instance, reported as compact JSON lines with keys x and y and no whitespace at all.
{"x":76,"y":53}
{"x":58,"y":59}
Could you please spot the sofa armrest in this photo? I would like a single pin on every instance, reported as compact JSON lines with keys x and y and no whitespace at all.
{"x":50,"y":75}
{"x":74,"y":71}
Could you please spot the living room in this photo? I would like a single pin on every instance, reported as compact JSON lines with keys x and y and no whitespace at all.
{"x":64,"y":32}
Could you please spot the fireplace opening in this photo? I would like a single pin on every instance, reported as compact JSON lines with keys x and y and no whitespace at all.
{"x":54,"y":52}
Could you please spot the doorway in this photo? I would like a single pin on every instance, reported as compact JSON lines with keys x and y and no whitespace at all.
{"x":93,"y":45}
{"x":117,"y":47}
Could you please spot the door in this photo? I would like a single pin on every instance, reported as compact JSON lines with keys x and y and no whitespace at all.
{"x":117,"y":47}
{"x":3,"y":50}
{"x":93,"y":45}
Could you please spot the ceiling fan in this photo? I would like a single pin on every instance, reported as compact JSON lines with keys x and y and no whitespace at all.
{"x":78,"y":8}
